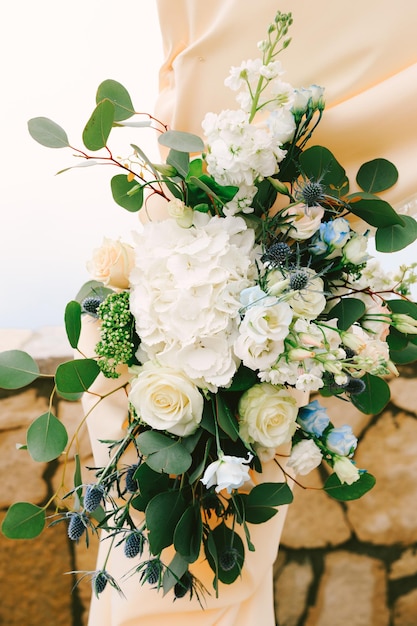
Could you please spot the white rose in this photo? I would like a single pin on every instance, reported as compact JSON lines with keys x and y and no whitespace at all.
{"x":310,"y":301}
{"x":305,"y":456}
{"x":267,"y":415}
{"x":345,"y":470}
{"x":228,"y":472}
{"x":111,"y":263}
{"x":166,"y":399}
{"x":303,"y":221}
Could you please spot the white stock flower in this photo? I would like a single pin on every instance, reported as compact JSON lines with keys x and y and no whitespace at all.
{"x":228,"y":472}
{"x":305,"y":456}
{"x":345,"y":470}
{"x":166,"y":399}
{"x":111,"y":263}
{"x":267,"y":415}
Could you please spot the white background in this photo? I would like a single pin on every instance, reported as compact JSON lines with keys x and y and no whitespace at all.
{"x":53,"y":57}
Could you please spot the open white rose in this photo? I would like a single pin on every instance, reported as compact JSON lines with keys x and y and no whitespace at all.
{"x":267,"y":415}
{"x":303,"y":221}
{"x":111,"y":263}
{"x":228,"y":472}
{"x":166,"y":399}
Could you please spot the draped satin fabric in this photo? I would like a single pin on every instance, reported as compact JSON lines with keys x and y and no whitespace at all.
{"x":365,"y":55}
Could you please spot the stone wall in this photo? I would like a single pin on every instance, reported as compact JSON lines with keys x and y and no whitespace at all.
{"x":338,"y":564}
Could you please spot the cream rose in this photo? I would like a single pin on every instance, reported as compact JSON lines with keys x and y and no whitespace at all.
{"x":166,"y":399}
{"x":303,"y":221}
{"x":267,"y":415}
{"x":111,"y":263}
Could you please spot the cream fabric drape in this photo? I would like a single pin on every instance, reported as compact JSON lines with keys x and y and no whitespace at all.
{"x":365,"y":55}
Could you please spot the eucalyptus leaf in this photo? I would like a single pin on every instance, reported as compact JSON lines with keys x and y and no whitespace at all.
{"x":180,"y":161}
{"x":48,"y":133}
{"x":181,"y":141}
{"x":374,"y":398}
{"x":119,"y":96}
{"x":373,"y":210}
{"x":407,"y":355}
{"x":162,"y":516}
{"x":23,"y":521}
{"x":244,"y":379}
{"x":347,"y":311}
{"x":47,"y":438}
{"x":257,"y":514}
{"x":93,"y":288}
{"x":270,"y":494}
{"x":150,"y":484}
{"x":76,"y":376}
{"x":164,"y":454}
{"x":343,"y":492}
{"x":403,"y":306}
{"x":377,"y":175}
{"x":127,"y":193}
{"x":17,"y":369}
{"x":319,"y":164}
{"x":173,"y":573}
{"x":396,"y":236}
{"x":225,"y":418}
{"x":189,"y":533}
{"x":98,"y":127}
{"x":73,"y":322}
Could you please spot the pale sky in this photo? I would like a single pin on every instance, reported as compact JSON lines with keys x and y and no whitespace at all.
{"x":53,"y":57}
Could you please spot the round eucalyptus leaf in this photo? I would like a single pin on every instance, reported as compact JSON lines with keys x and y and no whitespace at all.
{"x":23,"y":521}
{"x":17,"y":369}
{"x":46,"y":438}
{"x":47,"y":133}
{"x":377,"y":175}
{"x":119,"y":97}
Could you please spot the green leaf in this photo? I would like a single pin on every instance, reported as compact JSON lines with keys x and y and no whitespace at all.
{"x":344,"y":492}
{"x":270,"y":494}
{"x":181,"y":141}
{"x":396,"y":236}
{"x":47,"y":133}
{"x":373,"y":210}
{"x":162,"y":516}
{"x":119,"y":96}
{"x":164,"y":454}
{"x":224,"y":539}
{"x":98,"y":127}
{"x":93,"y":288}
{"x":318,"y":163}
{"x":17,"y":369}
{"x":127,"y":193}
{"x":403,"y":306}
{"x":258,"y":514}
{"x":76,"y":376}
{"x":73,"y":322}
{"x":173,"y":573}
{"x":46,"y":438}
{"x":407,"y":355}
{"x":377,"y":175}
{"x":347,"y":312}
{"x":226,"y":419}
{"x":23,"y":521}
{"x":150,"y":484}
{"x":179,"y":160}
{"x":244,"y":379}
{"x":188,"y":533}
{"x":395,"y":340}
{"x":224,"y":193}
{"x":374,"y":398}
{"x":78,"y":481}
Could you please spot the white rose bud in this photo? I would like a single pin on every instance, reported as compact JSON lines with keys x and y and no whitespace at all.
{"x":112,"y":263}
{"x":345,"y":470}
{"x":228,"y":472}
{"x":355,"y":250}
{"x":182,"y":213}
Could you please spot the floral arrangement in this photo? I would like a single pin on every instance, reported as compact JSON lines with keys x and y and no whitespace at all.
{"x":258,"y":285}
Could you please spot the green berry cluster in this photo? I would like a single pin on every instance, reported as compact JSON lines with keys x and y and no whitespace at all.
{"x":118,"y":339}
